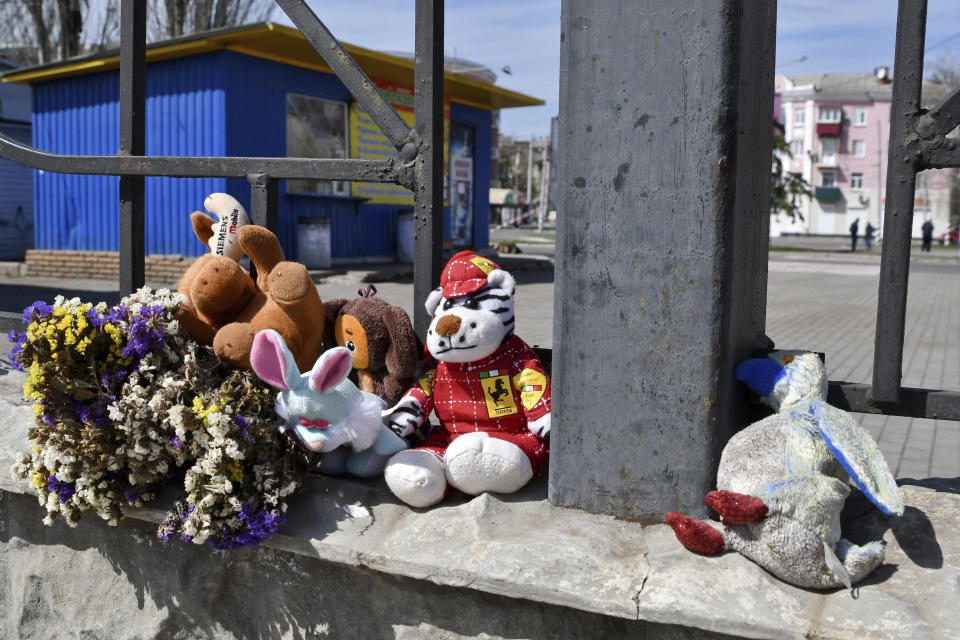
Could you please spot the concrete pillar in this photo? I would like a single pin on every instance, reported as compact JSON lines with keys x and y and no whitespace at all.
{"x":666,"y":120}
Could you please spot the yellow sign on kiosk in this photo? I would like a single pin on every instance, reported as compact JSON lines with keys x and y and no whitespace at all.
{"x":368,"y":142}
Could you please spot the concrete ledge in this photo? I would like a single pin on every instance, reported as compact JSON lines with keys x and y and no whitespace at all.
{"x":359,"y":555}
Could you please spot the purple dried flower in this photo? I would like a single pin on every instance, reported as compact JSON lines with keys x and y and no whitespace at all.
{"x":260,"y":526}
{"x":176,"y":443}
{"x":40,"y":308}
{"x":117,"y":314}
{"x":241,"y":422}
{"x":20,"y":339}
{"x":130,"y":496}
{"x":63,"y":489}
{"x":141,"y":339}
{"x":95,"y":318}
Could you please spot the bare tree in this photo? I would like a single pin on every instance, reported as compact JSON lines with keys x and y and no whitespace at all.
{"x":175,"y":18}
{"x":945,"y":70}
{"x":40,"y":31}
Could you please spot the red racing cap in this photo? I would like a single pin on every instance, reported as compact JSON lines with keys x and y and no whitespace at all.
{"x":465,"y":273}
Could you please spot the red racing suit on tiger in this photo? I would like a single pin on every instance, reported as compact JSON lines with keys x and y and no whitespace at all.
{"x":498,"y":395}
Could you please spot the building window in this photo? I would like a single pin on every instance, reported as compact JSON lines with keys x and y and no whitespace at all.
{"x":856,"y":181}
{"x":828,"y":151}
{"x":796,"y":148}
{"x":860,"y":117}
{"x":859,"y":148}
{"x":316,"y":128}
{"x":798,"y":114}
{"x":829,"y":114}
{"x":828,"y":178}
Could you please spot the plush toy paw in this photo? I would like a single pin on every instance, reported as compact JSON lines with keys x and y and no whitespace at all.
{"x":233,"y":342}
{"x":695,"y":535}
{"x":404,"y":417}
{"x":416,"y":477}
{"x":477,"y":463}
{"x":736,"y":508}
{"x":289,"y":282}
{"x":540,"y":427}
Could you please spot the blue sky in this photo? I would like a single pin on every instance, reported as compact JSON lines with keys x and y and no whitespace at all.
{"x":836,"y":36}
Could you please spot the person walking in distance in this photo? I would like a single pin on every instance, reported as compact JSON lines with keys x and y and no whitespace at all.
{"x":927,"y":229}
{"x":854,"y":229}
{"x":868,"y":235}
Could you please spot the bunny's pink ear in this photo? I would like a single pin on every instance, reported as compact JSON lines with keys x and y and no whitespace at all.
{"x":332,"y":367}
{"x":271,"y":360}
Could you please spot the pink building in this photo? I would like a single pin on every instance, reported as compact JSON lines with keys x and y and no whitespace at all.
{"x":837,"y":127}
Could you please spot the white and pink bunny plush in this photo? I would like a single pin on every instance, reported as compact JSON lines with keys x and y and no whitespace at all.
{"x":326,"y":412}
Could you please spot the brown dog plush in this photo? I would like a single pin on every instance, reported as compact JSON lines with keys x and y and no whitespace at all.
{"x":223,"y":306}
{"x":382,"y":340}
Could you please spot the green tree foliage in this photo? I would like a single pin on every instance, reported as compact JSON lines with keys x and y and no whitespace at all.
{"x":787,"y":187}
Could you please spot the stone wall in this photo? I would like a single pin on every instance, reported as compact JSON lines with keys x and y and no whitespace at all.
{"x":101,"y":264}
{"x":120,"y":582}
{"x":351,"y":561}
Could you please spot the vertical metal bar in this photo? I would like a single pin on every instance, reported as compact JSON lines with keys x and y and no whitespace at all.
{"x":428,"y":190}
{"x":133,"y":36}
{"x":264,"y":201}
{"x":898,"y":217}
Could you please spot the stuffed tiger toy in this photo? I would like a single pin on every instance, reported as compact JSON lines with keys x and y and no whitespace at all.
{"x":489,"y":391}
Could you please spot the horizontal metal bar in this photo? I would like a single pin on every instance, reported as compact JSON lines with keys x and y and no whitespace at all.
{"x":349,"y":73}
{"x":201,"y":167}
{"x":942,"y":119}
{"x":912,"y":403}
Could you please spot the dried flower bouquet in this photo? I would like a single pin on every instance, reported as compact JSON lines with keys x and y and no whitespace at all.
{"x":126,"y":402}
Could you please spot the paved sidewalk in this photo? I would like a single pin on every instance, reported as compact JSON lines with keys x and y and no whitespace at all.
{"x":830,"y":306}
{"x":818,"y":300}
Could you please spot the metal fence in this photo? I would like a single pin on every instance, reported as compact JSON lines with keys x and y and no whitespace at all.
{"x":418,"y":165}
{"x":917,"y":141}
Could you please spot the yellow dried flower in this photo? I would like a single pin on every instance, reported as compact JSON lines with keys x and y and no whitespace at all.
{"x":38,"y":479}
{"x":236,"y":471}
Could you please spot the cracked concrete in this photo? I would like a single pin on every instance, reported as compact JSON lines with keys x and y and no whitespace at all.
{"x":347,"y":540}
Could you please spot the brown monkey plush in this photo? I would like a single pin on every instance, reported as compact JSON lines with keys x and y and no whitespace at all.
{"x":223,"y":306}
{"x":382,"y":340}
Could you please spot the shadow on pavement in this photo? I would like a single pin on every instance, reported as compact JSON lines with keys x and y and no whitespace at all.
{"x":15,"y":298}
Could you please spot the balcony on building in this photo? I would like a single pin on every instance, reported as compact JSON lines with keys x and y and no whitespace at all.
{"x":827,"y":194}
{"x":829,"y":128}
{"x":826,"y":161}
